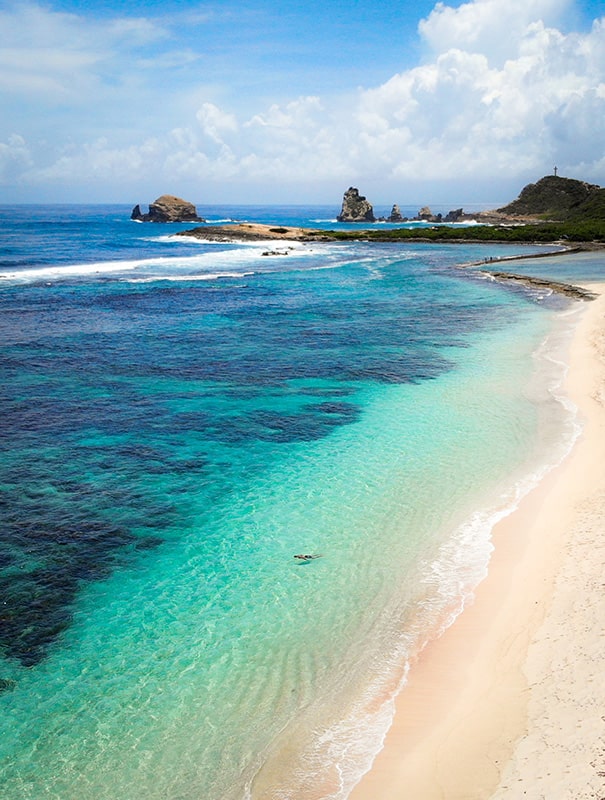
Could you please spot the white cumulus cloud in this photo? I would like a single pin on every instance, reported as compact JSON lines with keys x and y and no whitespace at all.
{"x":504,"y":89}
{"x":467,"y":112}
{"x":216,"y":123}
{"x":491,"y":27}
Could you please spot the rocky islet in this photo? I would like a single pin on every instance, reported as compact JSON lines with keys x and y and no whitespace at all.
{"x":167,"y":208}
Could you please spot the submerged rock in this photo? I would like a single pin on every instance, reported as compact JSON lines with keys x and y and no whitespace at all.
{"x":355,"y":208}
{"x":167,"y":208}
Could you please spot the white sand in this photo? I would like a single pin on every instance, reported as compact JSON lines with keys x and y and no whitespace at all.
{"x":510,"y":702}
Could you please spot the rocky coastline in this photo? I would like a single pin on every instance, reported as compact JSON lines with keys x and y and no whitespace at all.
{"x":257,"y":232}
{"x":357,"y":208}
{"x":536,"y":204}
{"x":553,"y":198}
{"x":567,"y":289}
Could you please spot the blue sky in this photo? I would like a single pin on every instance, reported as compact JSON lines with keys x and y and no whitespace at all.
{"x":260,"y":101}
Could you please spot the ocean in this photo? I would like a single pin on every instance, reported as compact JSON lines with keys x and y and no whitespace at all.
{"x":180,"y":419}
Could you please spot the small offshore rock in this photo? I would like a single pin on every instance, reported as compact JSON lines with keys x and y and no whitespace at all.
{"x":426,"y":215}
{"x":395,"y":215}
{"x":167,"y":208}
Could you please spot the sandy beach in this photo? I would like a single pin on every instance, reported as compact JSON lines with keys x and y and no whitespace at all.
{"x":508,"y":703}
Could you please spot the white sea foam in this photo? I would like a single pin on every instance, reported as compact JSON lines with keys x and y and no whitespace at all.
{"x":208,"y":276}
{"x":57,"y":272}
{"x":171,"y":266}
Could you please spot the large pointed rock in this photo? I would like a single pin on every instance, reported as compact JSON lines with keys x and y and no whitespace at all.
{"x":355,"y":208}
{"x":167,"y":208}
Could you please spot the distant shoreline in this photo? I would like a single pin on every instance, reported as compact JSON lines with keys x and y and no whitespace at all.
{"x":257,"y":232}
{"x":249,"y":231}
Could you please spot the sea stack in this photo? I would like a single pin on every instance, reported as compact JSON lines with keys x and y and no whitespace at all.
{"x":395,"y":214}
{"x":355,"y":208}
{"x":167,"y":208}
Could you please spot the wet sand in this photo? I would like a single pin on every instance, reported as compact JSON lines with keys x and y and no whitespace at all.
{"x":508,"y":703}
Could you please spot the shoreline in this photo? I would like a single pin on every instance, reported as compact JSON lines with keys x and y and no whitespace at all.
{"x":257,"y":232}
{"x":504,"y":705}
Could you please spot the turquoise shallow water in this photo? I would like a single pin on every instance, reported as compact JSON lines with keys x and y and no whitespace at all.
{"x":176,"y":429}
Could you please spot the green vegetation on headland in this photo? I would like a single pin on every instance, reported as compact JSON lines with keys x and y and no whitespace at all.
{"x":559,"y":199}
{"x":568,"y":233}
{"x":584,"y":231}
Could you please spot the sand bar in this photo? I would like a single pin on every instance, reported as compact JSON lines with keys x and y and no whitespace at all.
{"x":508,"y":703}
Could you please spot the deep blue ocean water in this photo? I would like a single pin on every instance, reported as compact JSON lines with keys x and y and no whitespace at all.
{"x":179,"y":419}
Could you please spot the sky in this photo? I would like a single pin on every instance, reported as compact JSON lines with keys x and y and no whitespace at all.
{"x":262,"y":101}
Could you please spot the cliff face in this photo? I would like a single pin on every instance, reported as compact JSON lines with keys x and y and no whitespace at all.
{"x":167,"y":208}
{"x":355,"y":208}
{"x":557,"y":198}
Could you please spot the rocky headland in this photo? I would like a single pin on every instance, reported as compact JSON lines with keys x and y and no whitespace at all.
{"x":556,"y":198}
{"x":167,"y":208}
{"x":551,"y":199}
